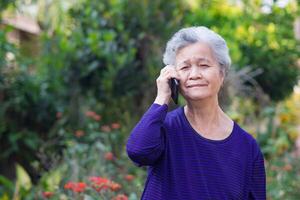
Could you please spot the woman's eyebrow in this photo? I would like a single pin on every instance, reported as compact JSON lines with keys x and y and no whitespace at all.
{"x":197,"y":60}
{"x":184,"y":62}
{"x":203,"y":59}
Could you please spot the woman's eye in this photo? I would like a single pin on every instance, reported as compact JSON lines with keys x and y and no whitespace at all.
{"x":204,"y":66}
{"x":184,"y":67}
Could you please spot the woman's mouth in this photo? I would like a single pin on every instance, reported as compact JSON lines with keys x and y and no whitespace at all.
{"x":196,"y":85}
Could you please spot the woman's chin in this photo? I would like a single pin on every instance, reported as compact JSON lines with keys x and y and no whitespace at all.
{"x":196,"y":97}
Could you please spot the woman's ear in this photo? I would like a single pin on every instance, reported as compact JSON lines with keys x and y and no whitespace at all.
{"x":222,"y":76}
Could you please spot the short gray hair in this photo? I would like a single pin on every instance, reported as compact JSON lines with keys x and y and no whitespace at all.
{"x":186,"y":36}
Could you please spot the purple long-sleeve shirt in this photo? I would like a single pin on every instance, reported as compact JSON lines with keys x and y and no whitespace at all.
{"x":183,"y":165}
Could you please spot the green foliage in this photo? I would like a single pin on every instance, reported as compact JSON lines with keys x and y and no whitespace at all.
{"x":275,"y":140}
{"x":283,"y":177}
{"x":256,"y":39}
{"x":5,"y":3}
{"x":110,"y":46}
{"x":272,"y":41}
{"x":103,"y":57}
{"x":26,"y":110}
{"x":5,"y":47}
{"x":89,"y":152}
{"x":6,"y":187}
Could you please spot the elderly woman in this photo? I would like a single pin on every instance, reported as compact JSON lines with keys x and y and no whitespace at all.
{"x":196,"y":151}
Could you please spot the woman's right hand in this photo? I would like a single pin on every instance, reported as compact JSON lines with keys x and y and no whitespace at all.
{"x":162,"y":82}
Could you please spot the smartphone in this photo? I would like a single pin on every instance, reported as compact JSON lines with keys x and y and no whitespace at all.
{"x":174,"y":85}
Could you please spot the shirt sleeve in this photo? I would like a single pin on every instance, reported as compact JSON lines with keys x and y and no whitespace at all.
{"x":146,"y":141}
{"x":258,"y":179}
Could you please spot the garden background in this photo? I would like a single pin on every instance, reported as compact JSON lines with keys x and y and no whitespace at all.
{"x":77,"y":75}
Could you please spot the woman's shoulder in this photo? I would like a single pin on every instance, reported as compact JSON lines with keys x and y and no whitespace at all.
{"x":248,"y":138}
{"x":244,"y":133}
{"x":174,"y":113}
{"x":173,"y":117}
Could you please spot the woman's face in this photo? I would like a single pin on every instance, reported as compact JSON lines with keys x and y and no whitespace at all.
{"x":199,"y":72}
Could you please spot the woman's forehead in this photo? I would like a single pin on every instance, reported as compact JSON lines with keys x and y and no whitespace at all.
{"x":188,"y":60}
{"x":199,"y":51}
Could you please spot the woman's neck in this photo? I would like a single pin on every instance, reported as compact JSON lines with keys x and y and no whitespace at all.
{"x":205,"y":113}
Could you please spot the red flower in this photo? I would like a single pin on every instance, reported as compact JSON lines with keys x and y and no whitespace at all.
{"x":47,"y":194}
{"x":79,"y":187}
{"x":93,"y":115}
{"x":97,"y":117}
{"x":90,"y":113}
{"x":115,"y":125}
{"x":75,"y":187}
{"x":129,"y":177}
{"x":58,"y":115}
{"x":79,"y":133}
{"x":109,"y":156}
{"x":120,"y":197}
{"x":105,"y":128}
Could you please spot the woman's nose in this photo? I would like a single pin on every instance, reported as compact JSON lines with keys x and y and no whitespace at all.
{"x":195,"y":73}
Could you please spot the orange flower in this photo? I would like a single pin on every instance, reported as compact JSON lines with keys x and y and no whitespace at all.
{"x":274,"y":168}
{"x":129,"y":177}
{"x":69,"y":185}
{"x":115,"y":125}
{"x":109,"y":156}
{"x":47,"y":194}
{"x":115,"y":186}
{"x":120,"y":197}
{"x":99,"y":183}
{"x":105,"y":128}
{"x":79,"y":133}
{"x":287,"y":167}
{"x":98,"y":180}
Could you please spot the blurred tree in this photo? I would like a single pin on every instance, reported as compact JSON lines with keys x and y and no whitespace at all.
{"x":105,"y":56}
{"x":88,"y":60}
{"x":4,"y":4}
{"x":257,"y":39}
{"x":110,"y":44}
{"x":108,"y":57}
{"x":27,"y":109}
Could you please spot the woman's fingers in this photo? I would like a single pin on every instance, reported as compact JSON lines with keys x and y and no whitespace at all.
{"x":169,"y":71}
{"x":163,"y":87}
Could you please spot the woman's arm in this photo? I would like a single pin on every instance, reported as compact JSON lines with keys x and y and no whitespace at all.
{"x":258,"y":180}
{"x":146,"y":142}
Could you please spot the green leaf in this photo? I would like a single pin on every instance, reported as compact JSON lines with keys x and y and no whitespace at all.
{"x":6,"y":186}
{"x":23,"y":179}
